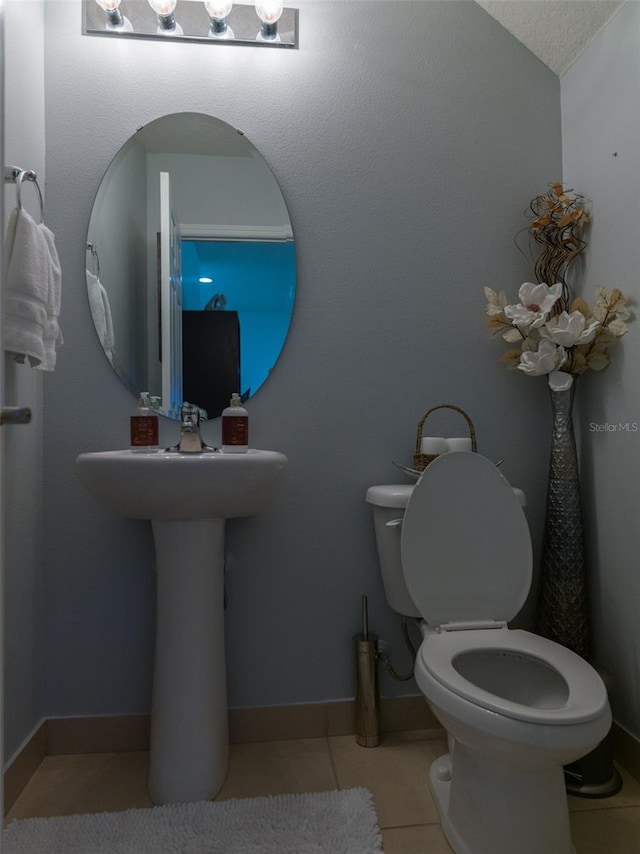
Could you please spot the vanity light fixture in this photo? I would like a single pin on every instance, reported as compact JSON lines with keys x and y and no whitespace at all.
{"x":207,"y":21}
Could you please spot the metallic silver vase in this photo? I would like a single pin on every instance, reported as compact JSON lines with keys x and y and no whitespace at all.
{"x":563,"y":612}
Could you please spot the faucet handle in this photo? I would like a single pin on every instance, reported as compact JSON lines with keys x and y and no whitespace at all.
{"x":189,"y":413}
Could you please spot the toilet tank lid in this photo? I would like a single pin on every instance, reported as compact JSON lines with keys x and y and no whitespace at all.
{"x":393,"y":495}
{"x":396,"y":495}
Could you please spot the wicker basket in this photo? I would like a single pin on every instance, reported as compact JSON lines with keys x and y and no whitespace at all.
{"x":420,"y":460}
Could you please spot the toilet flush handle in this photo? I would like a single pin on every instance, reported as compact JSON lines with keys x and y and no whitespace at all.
{"x":394,"y":523}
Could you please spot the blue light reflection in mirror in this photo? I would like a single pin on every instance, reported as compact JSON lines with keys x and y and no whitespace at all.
{"x":257,"y":280}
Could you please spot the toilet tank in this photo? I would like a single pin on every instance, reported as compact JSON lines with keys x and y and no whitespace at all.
{"x":389,"y":503}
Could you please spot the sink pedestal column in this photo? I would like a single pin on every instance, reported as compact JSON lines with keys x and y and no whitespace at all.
{"x":189,"y":727}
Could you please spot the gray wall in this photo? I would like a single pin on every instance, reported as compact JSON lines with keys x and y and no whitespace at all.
{"x":601,"y":136}
{"x":406,"y":163}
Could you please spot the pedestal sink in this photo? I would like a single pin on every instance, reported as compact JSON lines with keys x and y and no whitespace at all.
{"x":187,"y":497}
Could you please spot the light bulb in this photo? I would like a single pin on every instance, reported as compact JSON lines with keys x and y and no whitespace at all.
{"x":269,"y":12}
{"x":218,"y":10}
{"x":114,"y":15}
{"x":164,"y":13}
{"x":164,"y":8}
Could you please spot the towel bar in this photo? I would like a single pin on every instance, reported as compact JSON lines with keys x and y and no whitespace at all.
{"x":15,"y":415}
{"x":16,"y":175}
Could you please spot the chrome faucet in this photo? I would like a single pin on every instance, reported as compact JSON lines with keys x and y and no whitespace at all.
{"x":190,"y":439}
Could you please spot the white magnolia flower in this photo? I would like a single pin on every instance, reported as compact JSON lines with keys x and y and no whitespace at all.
{"x":567,"y":330}
{"x":560,"y":381}
{"x":548,"y":357}
{"x":536,"y":301}
{"x":519,"y":315}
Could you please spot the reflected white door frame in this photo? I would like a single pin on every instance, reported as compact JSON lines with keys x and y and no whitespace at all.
{"x":2,"y":54}
{"x":170,"y":301}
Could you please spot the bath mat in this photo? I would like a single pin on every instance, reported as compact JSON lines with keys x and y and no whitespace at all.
{"x":336,"y":822}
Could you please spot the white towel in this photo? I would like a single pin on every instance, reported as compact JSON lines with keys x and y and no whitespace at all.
{"x":52,"y":334}
{"x":26,"y":289}
{"x":101,"y":313}
{"x":32,"y":292}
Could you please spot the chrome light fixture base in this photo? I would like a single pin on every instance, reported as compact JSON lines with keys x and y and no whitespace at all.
{"x":193,"y":24}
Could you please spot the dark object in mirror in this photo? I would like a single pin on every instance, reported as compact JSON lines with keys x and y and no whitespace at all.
{"x":210,"y":338}
{"x":226,"y":244}
{"x":217,"y":302}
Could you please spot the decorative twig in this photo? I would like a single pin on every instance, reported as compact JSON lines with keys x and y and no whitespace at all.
{"x":558,"y":218}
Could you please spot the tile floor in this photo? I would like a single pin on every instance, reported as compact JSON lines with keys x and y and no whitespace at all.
{"x":395,"y":772}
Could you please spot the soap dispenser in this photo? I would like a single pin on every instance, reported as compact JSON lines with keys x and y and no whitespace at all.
{"x":144,"y":426}
{"x":235,"y":427}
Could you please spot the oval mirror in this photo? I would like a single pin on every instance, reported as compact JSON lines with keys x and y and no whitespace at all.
{"x":191,"y":268}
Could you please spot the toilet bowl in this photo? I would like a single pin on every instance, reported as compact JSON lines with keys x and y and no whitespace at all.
{"x":516,"y":706}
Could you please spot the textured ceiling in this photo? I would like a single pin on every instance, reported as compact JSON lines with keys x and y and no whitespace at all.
{"x":556,"y":31}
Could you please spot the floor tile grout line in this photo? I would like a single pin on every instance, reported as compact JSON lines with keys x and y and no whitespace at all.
{"x":333,"y":763}
{"x":327,"y":738}
{"x":606,"y":809}
{"x":434,"y":823}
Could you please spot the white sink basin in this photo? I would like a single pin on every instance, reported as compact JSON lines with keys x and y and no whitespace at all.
{"x":169,"y":485}
{"x":187,"y":497}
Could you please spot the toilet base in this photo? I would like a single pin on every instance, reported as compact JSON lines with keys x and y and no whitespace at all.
{"x":507,"y":811}
{"x":440,"y":784}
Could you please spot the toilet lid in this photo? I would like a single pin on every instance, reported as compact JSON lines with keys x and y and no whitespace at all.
{"x":466,"y":548}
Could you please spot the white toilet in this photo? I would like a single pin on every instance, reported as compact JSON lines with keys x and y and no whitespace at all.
{"x":516,"y":706}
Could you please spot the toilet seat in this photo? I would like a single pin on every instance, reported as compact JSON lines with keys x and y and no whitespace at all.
{"x":465,"y":547}
{"x":467,"y":563}
{"x":579,"y":692}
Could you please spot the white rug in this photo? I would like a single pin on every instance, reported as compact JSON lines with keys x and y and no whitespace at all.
{"x":339,"y":822}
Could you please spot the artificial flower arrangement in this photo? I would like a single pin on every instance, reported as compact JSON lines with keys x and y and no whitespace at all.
{"x":557,"y":336}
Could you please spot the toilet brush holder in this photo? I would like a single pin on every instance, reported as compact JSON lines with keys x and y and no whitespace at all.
{"x":367,"y":698}
{"x":595,"y":775}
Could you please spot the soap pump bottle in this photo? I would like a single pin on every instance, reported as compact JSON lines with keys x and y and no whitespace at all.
{"x":144,"y":426}
{"x":235,"y":427}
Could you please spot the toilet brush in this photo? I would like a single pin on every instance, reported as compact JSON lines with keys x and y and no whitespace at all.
{"x":367,"y":699}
